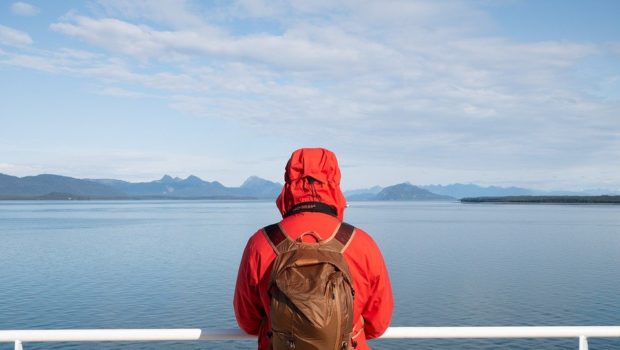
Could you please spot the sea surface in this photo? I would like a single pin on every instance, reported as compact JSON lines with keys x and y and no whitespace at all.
{"x":173,"y":264}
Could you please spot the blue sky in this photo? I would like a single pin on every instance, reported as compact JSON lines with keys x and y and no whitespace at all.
{"x":523,"y":93}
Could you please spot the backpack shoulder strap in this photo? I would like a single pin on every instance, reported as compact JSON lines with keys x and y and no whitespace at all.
{"x":275,"y":236}
{"x":342,"y":237}
{"x":339,"y":240}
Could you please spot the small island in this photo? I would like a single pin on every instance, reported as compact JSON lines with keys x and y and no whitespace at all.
{"x":605,"y":199}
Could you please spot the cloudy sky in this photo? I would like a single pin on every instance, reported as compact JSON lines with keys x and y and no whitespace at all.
{"x":522,"y":93}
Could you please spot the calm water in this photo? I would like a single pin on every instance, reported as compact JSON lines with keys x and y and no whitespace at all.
{"x":172,"y":264}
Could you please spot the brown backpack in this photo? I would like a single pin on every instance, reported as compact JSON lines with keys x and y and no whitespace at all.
{"x":311,"y":291}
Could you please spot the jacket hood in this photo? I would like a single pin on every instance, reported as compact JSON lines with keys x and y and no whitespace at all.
{"x":305,"y":165}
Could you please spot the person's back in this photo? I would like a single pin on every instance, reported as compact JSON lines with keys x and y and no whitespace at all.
{"x":312,"y":176}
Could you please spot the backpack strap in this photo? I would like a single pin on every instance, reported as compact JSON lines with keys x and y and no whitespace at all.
{"x":274,"y":234}
{"x":344,"y":234}
{"x":339,"y":240}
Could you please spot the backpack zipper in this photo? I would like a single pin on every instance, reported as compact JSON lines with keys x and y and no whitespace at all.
{"x":338,"y":317}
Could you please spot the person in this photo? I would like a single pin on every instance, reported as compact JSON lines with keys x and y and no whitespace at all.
{"x":312,"y":175}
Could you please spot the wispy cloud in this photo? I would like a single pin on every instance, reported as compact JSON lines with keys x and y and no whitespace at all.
{"x":24,"y":9}
{"x":142,"y":41}
{"x":14,"y":37}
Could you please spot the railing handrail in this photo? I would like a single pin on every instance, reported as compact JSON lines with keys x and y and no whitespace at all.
{"x":70,"y":335}
{"x":502,"y":332}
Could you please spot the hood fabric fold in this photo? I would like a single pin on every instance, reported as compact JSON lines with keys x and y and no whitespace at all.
{"x":312,"y":175}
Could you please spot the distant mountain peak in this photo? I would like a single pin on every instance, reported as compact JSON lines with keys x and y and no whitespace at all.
{"x":255,"y":181}
{"x":406,"y":191}
{"x":260,"y":188}
{"x":193,"y":179}
{"x":253,"y":178}
{"x":166,"y":179}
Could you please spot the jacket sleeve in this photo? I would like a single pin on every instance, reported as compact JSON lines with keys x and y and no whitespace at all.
{"x":378,"y":310}
{"x":247,"y":304}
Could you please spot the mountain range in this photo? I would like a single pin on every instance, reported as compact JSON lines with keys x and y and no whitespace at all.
{"x":48,"y":186}
{"x":459,"y":191}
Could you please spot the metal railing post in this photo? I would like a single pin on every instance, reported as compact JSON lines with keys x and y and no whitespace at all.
{"x":583,"y":342}
{"x":18,"y":345}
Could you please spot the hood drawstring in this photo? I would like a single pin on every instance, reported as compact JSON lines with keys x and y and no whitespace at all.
{"x":315,"y":195}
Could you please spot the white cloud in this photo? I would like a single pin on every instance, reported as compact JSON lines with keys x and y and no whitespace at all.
{"x":24,"y":9}
{"x":294,"y":51}
{"x":14,"y":37}
{"x":112,"y":34}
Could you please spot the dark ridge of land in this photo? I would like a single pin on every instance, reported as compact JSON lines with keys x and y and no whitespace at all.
{"x":546,"y":199}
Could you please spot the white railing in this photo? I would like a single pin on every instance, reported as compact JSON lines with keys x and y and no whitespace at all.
{"x":75,"y":335}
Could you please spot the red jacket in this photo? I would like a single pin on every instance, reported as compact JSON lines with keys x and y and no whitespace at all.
{"x":373,"y":303}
